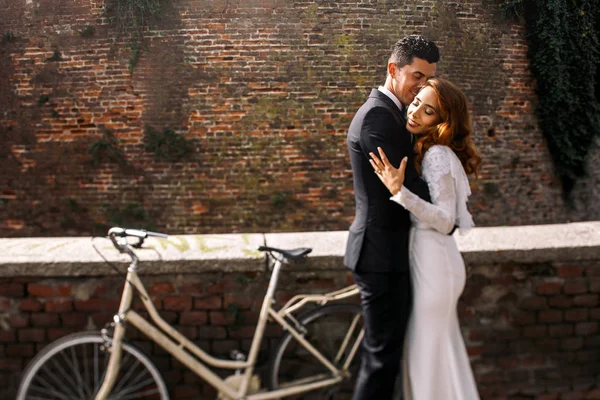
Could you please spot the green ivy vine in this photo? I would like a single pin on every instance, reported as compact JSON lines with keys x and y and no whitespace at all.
{"x":564,"y":52}
{"x":132,"y":18}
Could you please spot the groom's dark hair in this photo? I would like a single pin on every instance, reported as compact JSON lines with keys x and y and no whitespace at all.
{"x":414,"y":46}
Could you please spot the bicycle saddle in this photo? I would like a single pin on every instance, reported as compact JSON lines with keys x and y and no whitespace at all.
{"x":294,"y":254}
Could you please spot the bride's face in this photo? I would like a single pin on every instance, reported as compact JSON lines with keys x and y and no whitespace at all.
{"x":423,"y":112}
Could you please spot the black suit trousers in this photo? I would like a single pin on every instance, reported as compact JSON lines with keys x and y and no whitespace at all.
{"x":386,"y":300}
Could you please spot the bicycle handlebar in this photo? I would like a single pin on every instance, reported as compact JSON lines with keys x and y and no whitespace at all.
{"x":138,"y":233}
{"x":124,"y":247}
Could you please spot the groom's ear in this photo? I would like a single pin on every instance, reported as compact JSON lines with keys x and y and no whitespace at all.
{"x":391,"y":68}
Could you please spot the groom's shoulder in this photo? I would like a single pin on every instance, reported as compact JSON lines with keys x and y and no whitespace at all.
{"x":375,"y":100}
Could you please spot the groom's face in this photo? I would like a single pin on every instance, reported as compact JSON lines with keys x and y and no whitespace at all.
{"x":408,"y":80}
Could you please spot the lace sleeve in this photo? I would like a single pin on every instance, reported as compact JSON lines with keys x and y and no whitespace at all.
{"x":449,"y":189}
{"x":441,"y":214}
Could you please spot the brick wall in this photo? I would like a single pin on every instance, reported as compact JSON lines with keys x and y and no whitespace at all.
{"x":532,"y":330}
{"x":264,"y":92}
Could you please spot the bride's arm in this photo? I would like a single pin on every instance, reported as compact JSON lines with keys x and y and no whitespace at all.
{"x":441,"y":213}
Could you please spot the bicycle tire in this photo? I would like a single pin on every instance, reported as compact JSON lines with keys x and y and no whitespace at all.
{"x":290,"y":360}
{"x":86,"y":362}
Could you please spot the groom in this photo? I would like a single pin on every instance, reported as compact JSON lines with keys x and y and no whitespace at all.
{"x":377,"y":248}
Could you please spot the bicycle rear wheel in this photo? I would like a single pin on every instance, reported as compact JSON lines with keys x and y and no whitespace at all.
{"x":326,"y":328}
{"x":73,"y":367}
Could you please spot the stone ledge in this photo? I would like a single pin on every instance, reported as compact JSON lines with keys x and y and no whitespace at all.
{"x":238,"y":252}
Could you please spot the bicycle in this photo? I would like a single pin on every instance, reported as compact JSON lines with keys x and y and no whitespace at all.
{"x":88,"y":365}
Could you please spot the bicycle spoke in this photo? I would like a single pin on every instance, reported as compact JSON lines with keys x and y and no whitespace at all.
{"x":139,"y":395}
{"x":38,"y":398}
{"x":49,"y":388}
{"x":86,"y":372}
{"x":56,"y":380}
{"x":62,"y":372}
{"x":132,"y":389}
{"x":77,"y":372}
{"x":127,"y":374}
{"x":96,"y":373}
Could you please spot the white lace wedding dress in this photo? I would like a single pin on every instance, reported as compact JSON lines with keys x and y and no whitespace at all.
{"x":436,"y":364}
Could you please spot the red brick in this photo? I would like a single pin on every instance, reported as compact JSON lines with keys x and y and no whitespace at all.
{"x":547,"y":397}
{"x":208,"y":303}
{"x":569,"y":271}
{"x":57,"y":333}
{"x":225,"y":285}
{"x":11,"y":364}
{"x":474,"y":351}
{"x":592,"y":341}
{"x":97,"y":305}
{"x":46,"y":290}
{"x":193,"y":318}
{"x":31,"y":335}
{"x":546,"y":344}
{"x":222,"y":318}
{"x":58,"y":305}
{"x":595,"y":285}
{"x":593,"y":394}
{"x":550,"y":316}
{"x":508,"y":363}
{"x":74,"y":319}
{"x":44,"y":319}
{"x":7,"y":336}
{"x":560,"y":301}
{"x":575,"y":287}
{"x":572,"y":395}
{"x":20,"y":350}
{"x":524,"y":318}
{"x":193,"y":288}
{"x":243,"y":302}
{"x":534,"y":303}
{"x":592,"y":271}
{"x":242,"y":332}
{"x":571,"y":344}
{"x":580,"y":314}
{"x":212,"y":332}
{"x":494,"y":348}
{"x":595,"y":313}
{"x":586,"y":328}
{"x":178,"y":303}
{"x":220,"y":347}
{"x":5,"y":305}
{"x":30,"y":305}
{"x":549,"y":288}
{"x":586,"y":300}
{"x":587,"y":356}
{"x":560,"y":330}
{"x":18,"y":320}
{"x":162,"y":288}
{"x":102,"y":318}
{"x":12,"y":289}
{"x":535,"y":331}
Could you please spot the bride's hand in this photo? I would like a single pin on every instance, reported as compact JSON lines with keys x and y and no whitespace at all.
{"x":392,"y":177}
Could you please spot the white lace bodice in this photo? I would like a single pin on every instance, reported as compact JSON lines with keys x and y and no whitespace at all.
{"x":449,"y":190}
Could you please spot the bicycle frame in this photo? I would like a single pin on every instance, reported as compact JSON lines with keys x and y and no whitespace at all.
{"x":197,"y":360}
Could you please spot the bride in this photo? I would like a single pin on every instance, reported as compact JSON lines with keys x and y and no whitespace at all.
{"x":436,"y":361}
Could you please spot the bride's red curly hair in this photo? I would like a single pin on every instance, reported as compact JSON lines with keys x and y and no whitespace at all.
{"x":454,"y":130}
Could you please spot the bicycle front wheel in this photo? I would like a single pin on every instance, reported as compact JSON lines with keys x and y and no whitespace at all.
{"x":73,"y":367}
{"x":335,"y":331}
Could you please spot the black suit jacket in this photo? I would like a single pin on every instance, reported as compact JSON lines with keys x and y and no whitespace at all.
{"x":378,"y":237}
